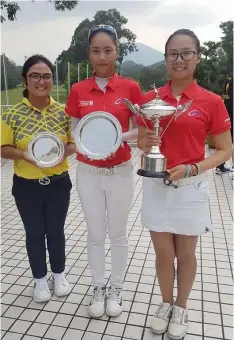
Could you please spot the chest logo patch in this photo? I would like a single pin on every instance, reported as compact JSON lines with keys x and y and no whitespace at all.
{"x":86,"y":102}
{"x":119,"y":101}
{"x":193,"y":113}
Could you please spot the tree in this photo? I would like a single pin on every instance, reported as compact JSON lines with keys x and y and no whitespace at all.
{"x":227,"y":43}
{"x":216,"y":60}
{"x":208,"y":73}
{"x":74,"y":73}
{"x":13,"y":73}
{"x":78,"y":50}
{"x":210,"y":50}
{"x":155,"y":74}
{"x":12,"y":8}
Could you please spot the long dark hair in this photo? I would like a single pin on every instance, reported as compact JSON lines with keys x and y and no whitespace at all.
{"x":35,"y":59}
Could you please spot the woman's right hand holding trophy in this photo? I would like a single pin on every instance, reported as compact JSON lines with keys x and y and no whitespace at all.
{"x":150,"y":139}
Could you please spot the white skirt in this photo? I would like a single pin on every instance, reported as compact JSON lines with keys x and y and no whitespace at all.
{"x":183,"y":210}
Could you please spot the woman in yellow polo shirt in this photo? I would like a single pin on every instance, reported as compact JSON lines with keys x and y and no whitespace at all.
{"x":43,"y":208}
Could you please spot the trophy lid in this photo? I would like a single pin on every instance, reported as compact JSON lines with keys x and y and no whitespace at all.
{"x":157,"y":103}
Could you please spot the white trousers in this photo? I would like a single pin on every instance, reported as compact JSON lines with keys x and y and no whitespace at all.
{"x":106,"y":201}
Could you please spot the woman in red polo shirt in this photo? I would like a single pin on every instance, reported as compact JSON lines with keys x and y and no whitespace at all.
{"x":176,"y":216}
{"x":109,"y":194}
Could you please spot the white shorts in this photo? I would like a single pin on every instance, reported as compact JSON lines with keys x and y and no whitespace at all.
{"x":183,"y":210}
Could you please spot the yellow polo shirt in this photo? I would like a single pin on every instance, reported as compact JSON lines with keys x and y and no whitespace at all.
{"x":22,"y":122}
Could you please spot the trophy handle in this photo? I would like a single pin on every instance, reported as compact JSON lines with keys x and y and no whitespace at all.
{"x":182,"y":108}
{"x":134,"y":108}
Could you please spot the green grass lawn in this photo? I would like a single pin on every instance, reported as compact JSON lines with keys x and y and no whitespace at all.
{"x":15,"y":95}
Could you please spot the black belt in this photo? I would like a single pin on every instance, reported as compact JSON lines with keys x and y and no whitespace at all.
{"x":45,"y":180}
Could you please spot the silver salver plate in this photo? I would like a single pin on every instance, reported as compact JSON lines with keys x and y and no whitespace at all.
{"x":98,"y":135}
{"x":46,"y":149}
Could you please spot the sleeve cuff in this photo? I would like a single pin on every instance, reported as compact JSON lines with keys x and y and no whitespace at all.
{"x":218,"y":132}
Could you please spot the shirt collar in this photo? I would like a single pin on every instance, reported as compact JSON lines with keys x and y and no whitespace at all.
{"x":111,"y":84}
{"x":189,"y":92}
{"x":27,"y":102}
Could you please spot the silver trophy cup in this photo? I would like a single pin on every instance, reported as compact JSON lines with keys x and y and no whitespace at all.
{"x":153,"y":162}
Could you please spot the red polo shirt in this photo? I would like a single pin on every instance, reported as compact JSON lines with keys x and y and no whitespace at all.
{"x":86,"y":97}
{"x":184,"y":140}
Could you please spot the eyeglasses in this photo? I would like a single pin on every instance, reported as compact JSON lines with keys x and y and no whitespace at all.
{"x":36,"y":77}
{"x":107,"y":28}
{"x":186,"y":56}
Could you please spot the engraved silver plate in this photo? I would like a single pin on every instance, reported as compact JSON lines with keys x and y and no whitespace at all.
{"x":46,"y":149}
{"x":98,"y":135}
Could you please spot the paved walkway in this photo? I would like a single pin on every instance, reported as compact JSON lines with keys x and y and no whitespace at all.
{"x":66,"y":318}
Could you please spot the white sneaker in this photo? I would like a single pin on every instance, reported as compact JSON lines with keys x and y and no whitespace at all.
{"x":96,"y":307}
{"x":41,"y":290}
{"x":114,"y":305}
{"x":61,"y":285}
{"x":161,"y":318}
{"x":179,"y":323}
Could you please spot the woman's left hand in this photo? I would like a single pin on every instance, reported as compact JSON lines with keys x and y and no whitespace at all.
{"x":69,"y":149}
{"x":176,"y":173}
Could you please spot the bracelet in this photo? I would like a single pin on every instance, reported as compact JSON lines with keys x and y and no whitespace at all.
{"x":188,"y":168}
{"x":198,"y":170}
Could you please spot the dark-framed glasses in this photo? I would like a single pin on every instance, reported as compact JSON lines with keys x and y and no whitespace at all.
{"x":186,"y":55}
{"x":36,"y":77}
{"x":107,"y":28}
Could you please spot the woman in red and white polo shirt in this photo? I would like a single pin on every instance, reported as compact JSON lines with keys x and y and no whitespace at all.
{"x":102,"y":195}
{"x":176,"y":216}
